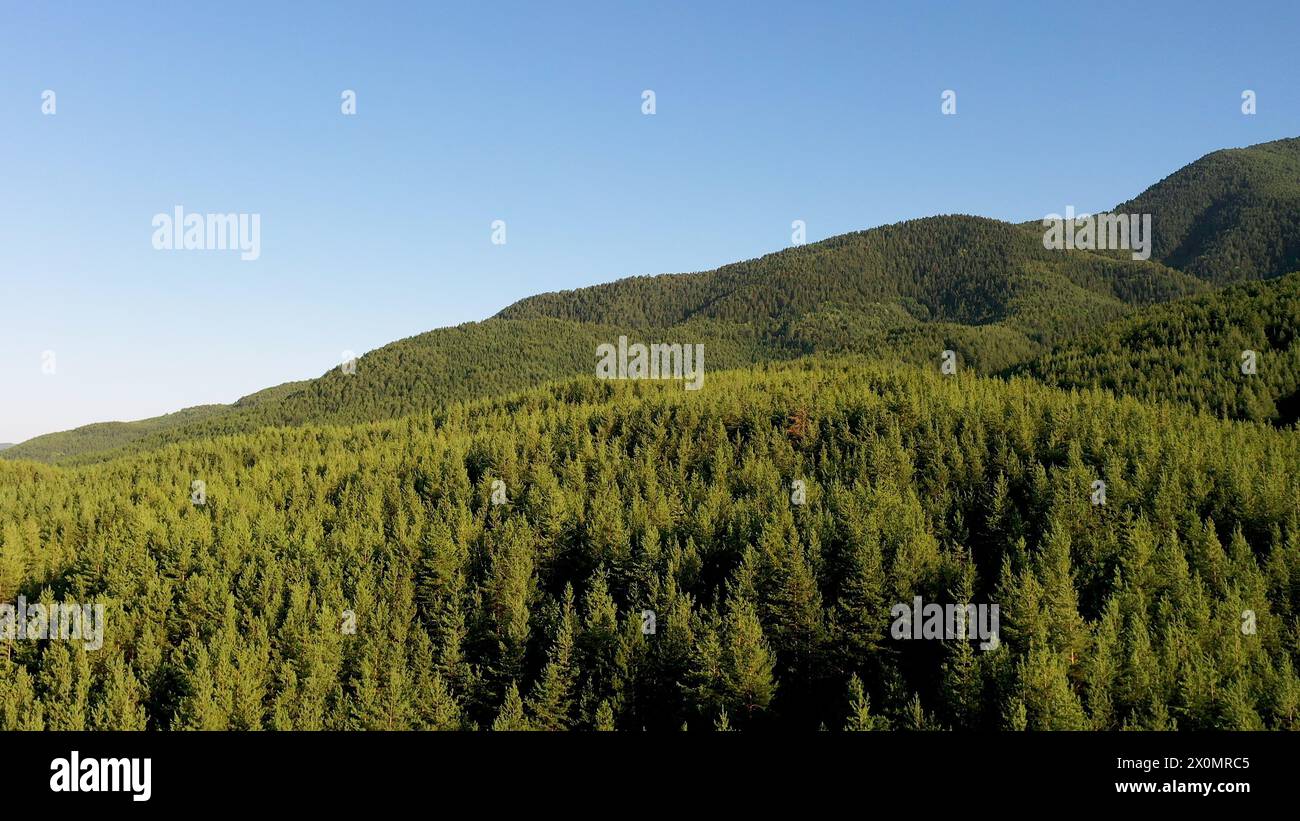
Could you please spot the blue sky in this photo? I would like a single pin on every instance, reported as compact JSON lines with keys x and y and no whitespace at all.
{"x":377,"y":226}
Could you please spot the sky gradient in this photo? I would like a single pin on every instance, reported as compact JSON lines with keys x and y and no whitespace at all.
{"x":377,"y":226}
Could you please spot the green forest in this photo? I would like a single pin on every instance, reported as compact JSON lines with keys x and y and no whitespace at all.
{"x":1192,"y":351}
{"x":473,"y":532}
{"x":621,"y":498}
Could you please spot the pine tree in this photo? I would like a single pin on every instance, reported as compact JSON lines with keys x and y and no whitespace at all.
{"x":747,"y":662}
{"x":860,"y":717}
{"x":118,"y":706}
{"x":551,"y":703}
{"x":723,"y":722}
{"x":511,"y":717}
{"x":1050,"y":703}
{"x":604,"y":717}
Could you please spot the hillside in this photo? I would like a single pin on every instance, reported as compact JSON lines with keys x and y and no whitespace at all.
{"x":772,"y":611}
{"x":108,"y":436}
{"x":984,"y":289}
{"x":1232,"y":215}
{"x":418,"y":374}
{"x":1191,"y":351}
{"x":957,"y":269}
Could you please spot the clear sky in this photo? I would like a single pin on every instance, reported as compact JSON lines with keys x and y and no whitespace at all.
{"x":378,"y":226}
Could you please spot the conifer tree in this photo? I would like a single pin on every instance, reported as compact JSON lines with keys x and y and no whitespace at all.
{"x":860,"y":718}
{"x":747,"y":663}
{"x":511,"y":717}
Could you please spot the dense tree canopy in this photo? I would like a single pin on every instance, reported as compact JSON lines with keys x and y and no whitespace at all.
{"x":625,"y":497}
{"x":1233,"y":353}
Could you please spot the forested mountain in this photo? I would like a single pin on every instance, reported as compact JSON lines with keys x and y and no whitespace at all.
{"x":772,"y":610}
{"x":958,"y":269}
{"x":985,"y":289}
{"x":1232,"y":215}
{"x":1194,"y":351}
{"x":418,"y":374}
{"x":495,"y":522}
{"x":106,"y":436}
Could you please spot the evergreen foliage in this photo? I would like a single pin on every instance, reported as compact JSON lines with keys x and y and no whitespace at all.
{"x":1192,"y":351}
{"x":633,"y":496}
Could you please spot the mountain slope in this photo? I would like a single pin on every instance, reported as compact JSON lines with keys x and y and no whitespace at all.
{"x":108,"y":436}
{"x":982,"y":288}
{"x":414,"y":375}
{"x":960,"y":269}
{"x":621,"y":497}
{"x":1232,"y":215}
{"x":1192,"y":351}
{"x":985,"y":289}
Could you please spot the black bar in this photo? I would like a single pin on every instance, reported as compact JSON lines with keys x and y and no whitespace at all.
{"x":641,"y":770}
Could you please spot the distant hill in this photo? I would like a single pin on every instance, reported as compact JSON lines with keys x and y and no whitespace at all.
{"x":985,"y":289}
{"x":410,"y":376}
{"x":1191,"y":351}
{"x":6,"y":445}
{"x":1232,"y":215}
{"x":107,"y":436}
{"x":959,"y":269}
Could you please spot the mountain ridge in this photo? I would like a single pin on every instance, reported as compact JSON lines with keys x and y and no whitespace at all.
{"x":984,"y":288}
{"x":1230,"y":216}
